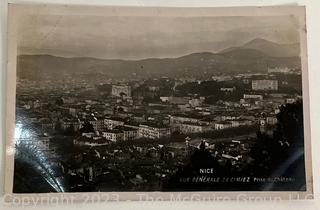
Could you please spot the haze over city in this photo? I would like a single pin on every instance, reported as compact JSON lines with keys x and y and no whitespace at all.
{"x":135,"y":38}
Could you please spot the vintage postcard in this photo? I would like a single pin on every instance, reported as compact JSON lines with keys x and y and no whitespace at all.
{"x":135,"y":103}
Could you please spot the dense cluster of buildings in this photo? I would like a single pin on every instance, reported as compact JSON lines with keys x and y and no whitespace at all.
{"x":124,"y":115}
{"x":97,"y":118}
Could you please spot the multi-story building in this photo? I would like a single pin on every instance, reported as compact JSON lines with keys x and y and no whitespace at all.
{"x":222,"y":125}
{"x":265,"y":84}
{"x":240,"y":122}
{"x":129,"y":133}
{"x":44,"y":141}
{"x":271,"y":120}
{"x":153,"y":131}
{"x":228,"y":89}
{"x":70,"y":123}
{"x":40,"y":142}
{"x":121,"y":90}
{"x":279,"y":70}
{"x":175,"y":100}
{"x":113,"y":135}
{"x":290,"y":100}
{"x":47,"y":125}
{"x":194,"y":102}
{"x":191,"y":127}
{"x":111,"y":123}
{"x":98,"y":124}
{"x":181,"y":118}
{"x":252,"y":96}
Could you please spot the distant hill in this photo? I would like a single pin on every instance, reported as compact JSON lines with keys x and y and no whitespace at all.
{"x":270,"y":48}
{"x":255,"y":56}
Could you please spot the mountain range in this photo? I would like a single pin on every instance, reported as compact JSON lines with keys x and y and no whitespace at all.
{"x":254,"y":56}
{"x":270,"y":48}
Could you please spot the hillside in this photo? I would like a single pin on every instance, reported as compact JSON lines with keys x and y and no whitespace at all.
{"x":270,"y":48}
{"x":236,"y":59}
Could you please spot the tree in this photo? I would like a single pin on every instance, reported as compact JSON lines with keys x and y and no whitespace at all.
{"x":87,"y":127}
{"x":70,"y":130}
{"x":122,"y":94}
{"x":59,"y":102}
{"x":290,"y":124}
{"x":270,"y":151}
{"x":58,"y":126}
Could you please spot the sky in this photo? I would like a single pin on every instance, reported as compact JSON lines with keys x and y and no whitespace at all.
{"x":132,"y":37}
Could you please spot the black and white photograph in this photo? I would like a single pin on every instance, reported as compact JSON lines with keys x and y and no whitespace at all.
{"x":125,"y":99}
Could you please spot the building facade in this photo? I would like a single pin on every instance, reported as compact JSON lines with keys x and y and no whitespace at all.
{"x":222,"y":125}
{"x":121,"y":90}
{"x":153,"y":131}
{"x":111,"y":123}
{"x":265,"y":84}
{"x":113,"y":135}
{"x":192,"y":127}
{"x":129,"y":133}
